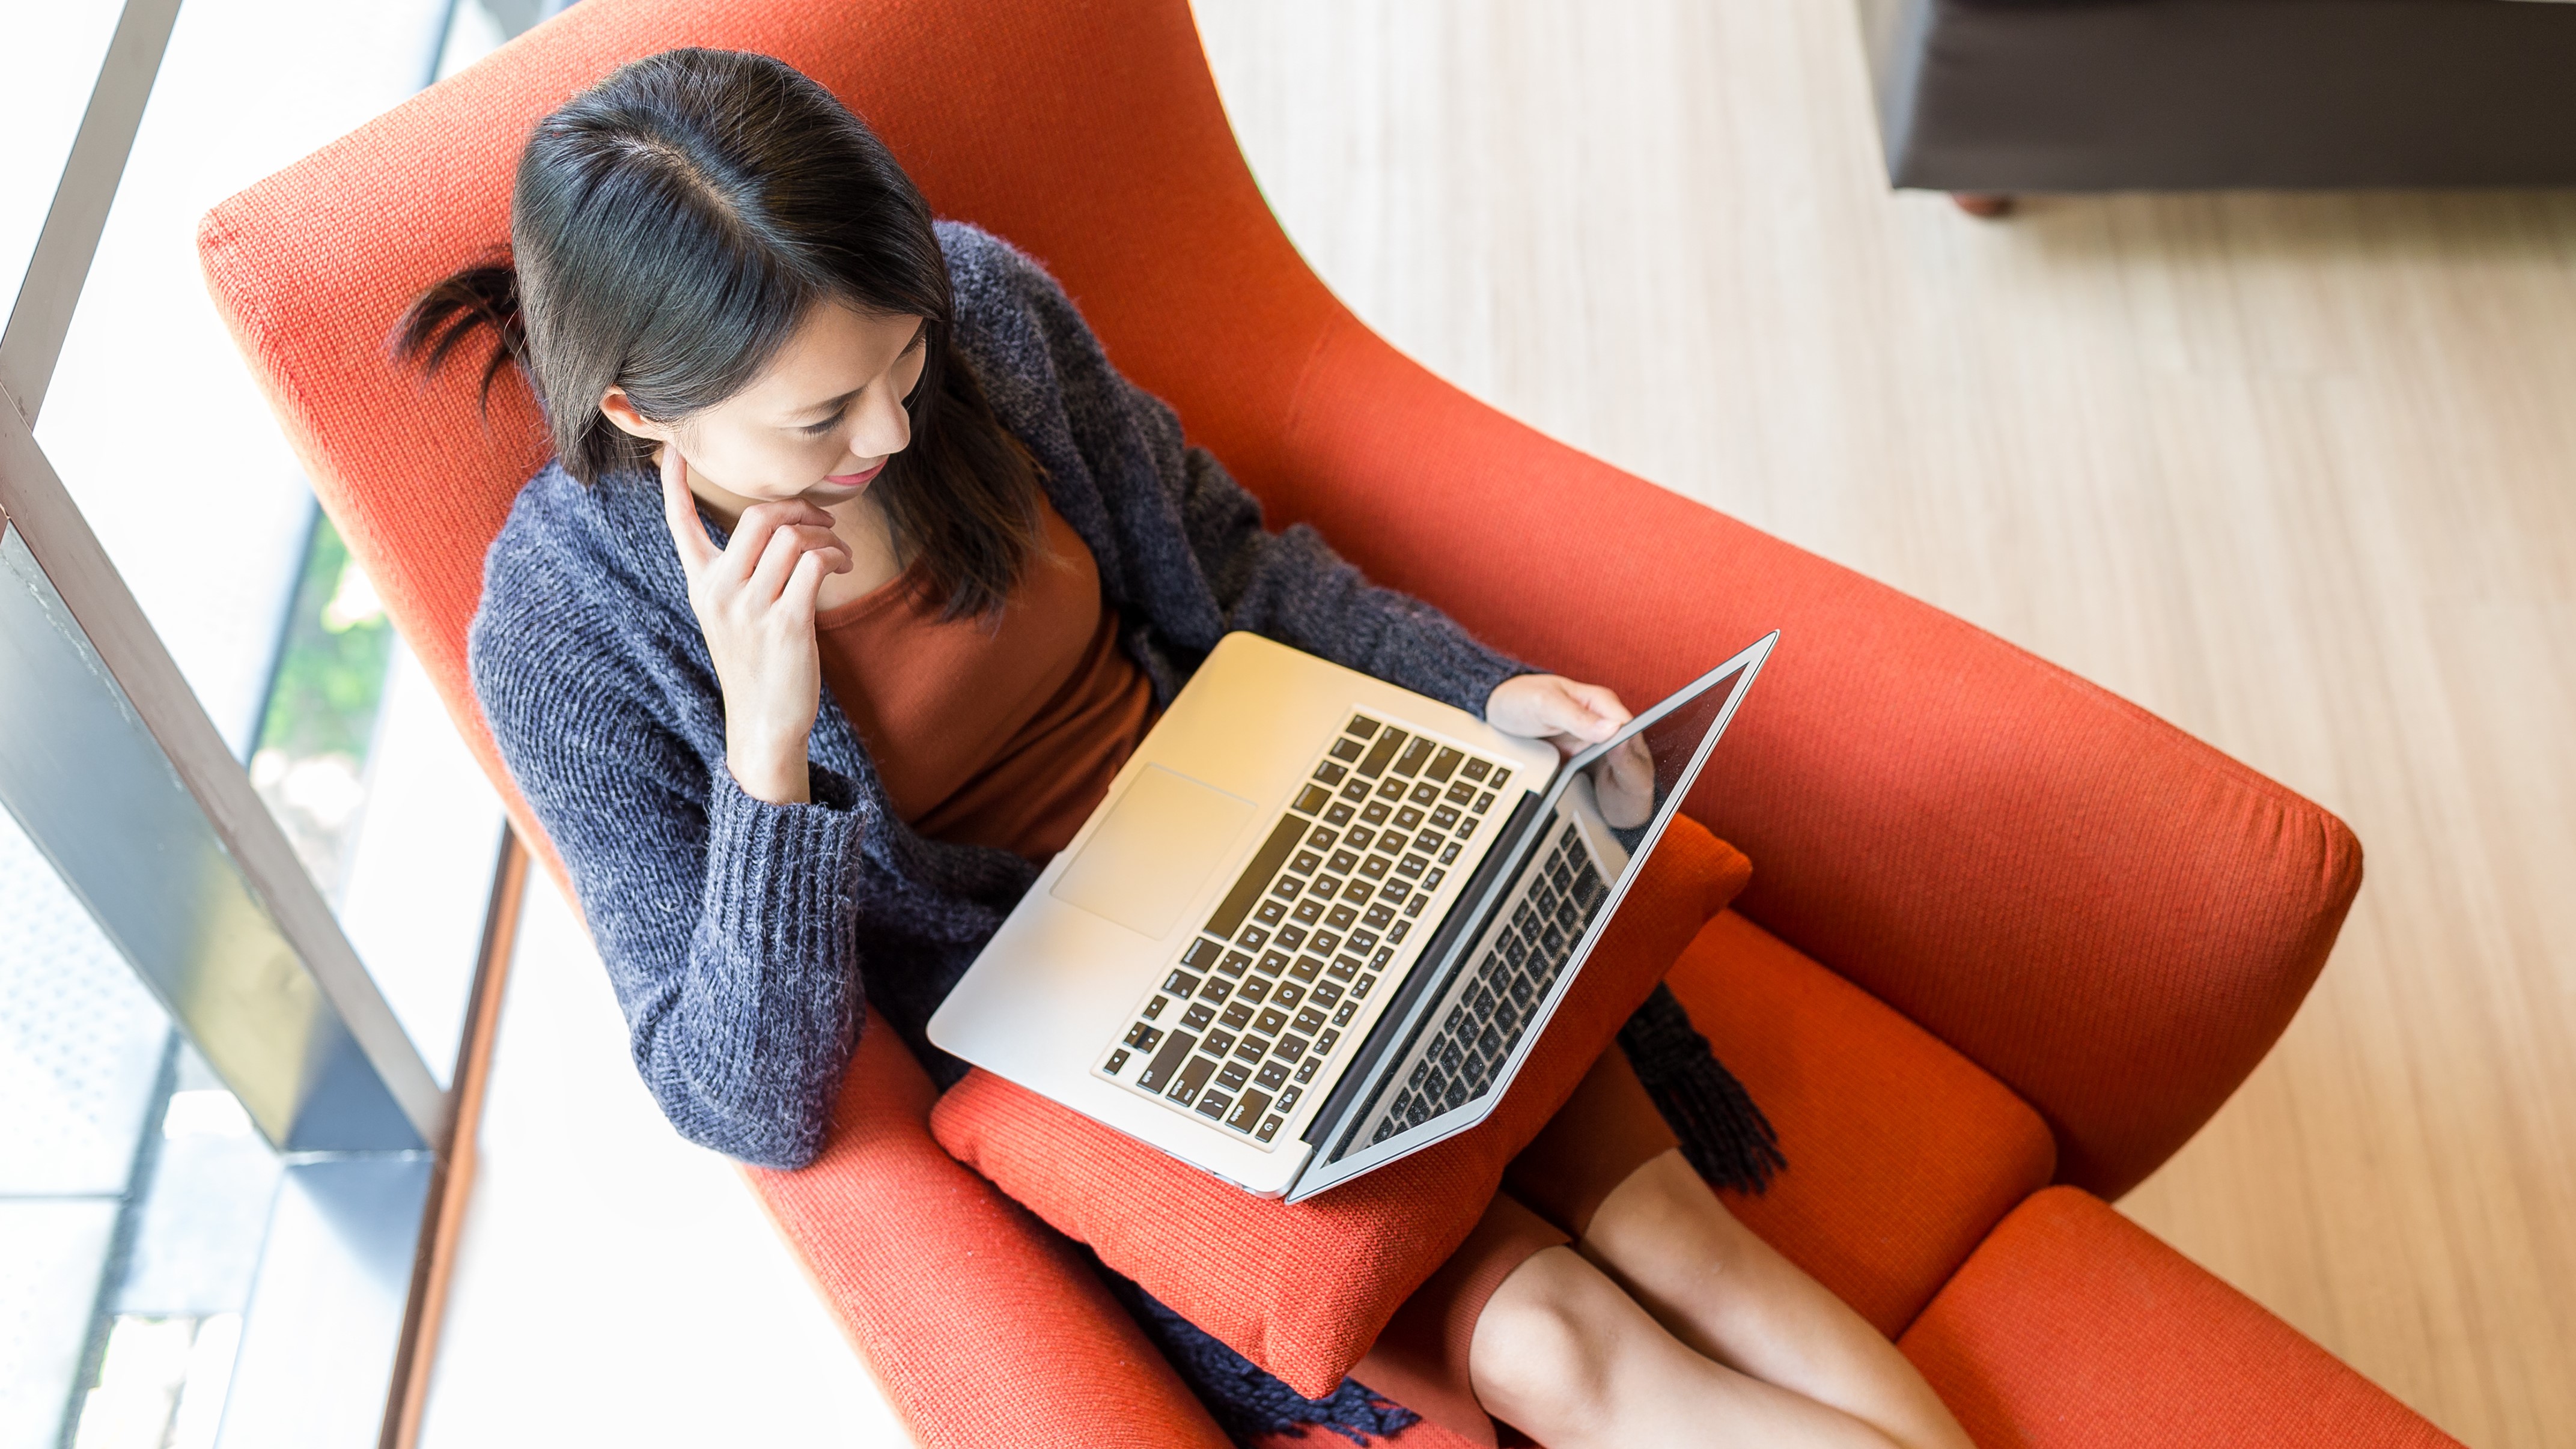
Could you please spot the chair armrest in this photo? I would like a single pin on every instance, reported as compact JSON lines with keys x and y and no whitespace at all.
{"x":2109,"y":915}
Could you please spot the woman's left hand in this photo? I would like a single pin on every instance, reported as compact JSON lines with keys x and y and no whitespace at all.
{"x":1550,"y":707}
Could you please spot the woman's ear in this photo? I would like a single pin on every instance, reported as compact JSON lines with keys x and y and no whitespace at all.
{"x":620,"y":409}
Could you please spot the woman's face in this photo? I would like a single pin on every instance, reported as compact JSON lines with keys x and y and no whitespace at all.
{"x":818,"y":424}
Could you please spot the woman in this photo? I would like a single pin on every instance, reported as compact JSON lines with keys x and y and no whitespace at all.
{"x":857,"y":576}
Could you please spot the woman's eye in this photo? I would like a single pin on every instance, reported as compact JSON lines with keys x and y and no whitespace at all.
{"x":816,"y":430}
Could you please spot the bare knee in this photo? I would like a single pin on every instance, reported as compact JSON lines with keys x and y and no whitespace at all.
{"x":1544,"y":1346}
{"x":1664,"y":1215}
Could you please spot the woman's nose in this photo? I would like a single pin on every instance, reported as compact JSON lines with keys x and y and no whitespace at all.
{"x":881,"y":426}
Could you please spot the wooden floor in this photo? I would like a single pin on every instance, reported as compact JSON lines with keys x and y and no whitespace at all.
{"x":2296,"y":472}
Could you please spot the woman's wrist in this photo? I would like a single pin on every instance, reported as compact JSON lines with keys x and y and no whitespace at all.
{"x":771,"y":773}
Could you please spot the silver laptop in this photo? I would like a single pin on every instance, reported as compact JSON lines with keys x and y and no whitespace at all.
{"x":1319,"y":921}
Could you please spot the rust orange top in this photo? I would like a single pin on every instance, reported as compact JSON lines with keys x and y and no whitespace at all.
{"x":1002,"y":732}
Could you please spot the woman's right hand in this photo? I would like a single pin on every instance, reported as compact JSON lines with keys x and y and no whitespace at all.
{"x":754,"y":600}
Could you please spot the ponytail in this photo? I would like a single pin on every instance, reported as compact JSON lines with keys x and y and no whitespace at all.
{"x":449,"y":312}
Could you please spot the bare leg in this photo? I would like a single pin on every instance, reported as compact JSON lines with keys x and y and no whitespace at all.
{"x":1666,"y":1239}
{"x":1566,"y":1356}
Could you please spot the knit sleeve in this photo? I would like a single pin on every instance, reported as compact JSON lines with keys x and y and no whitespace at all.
{"x":725,"y":921}
{"x":1175,"y":509}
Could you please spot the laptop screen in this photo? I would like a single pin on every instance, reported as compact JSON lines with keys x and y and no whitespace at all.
{"x":1569,"y":857}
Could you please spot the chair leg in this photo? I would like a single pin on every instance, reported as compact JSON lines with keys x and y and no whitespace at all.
{"x":1983,"y":205}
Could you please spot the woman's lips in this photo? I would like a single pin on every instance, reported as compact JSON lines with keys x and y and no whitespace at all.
{"x":852,"y":480}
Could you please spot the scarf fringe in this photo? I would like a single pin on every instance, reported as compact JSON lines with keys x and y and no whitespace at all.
{"x":1247,"y":1403}
{"x":1724,"y":1135}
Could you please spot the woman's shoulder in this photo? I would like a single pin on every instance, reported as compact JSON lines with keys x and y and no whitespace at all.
{"x":1013,"y":319}
{"x":563,"y":569}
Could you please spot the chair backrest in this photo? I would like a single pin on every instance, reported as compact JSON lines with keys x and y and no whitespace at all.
{"x":1089,"y":134}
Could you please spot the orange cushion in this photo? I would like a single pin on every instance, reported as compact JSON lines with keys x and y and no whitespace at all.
{"x":2073,"y":1328}
{"x":1902,"y":1153}
{"x":896,"y":1235}
{"x":1251,"y":1270}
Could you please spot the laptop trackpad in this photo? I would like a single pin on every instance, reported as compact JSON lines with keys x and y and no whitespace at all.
{"x":1147,"y":861}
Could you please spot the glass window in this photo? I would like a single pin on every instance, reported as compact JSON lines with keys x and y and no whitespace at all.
{"x":134,"y":1194}
{"x":170,"y":450}
{"x":46,"y":72}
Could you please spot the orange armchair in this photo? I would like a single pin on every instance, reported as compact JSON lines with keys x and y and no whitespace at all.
{"x":2006,"y":930}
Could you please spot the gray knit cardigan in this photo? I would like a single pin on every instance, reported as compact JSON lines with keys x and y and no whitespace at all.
{"x":738,"y":933}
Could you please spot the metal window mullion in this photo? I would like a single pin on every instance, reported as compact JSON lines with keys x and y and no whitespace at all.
{"x":42,"y":314}
{"x":110,"y":624}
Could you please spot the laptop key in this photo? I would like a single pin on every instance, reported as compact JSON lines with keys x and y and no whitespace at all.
{"x":1444,"y":763}
{"x":1343,"y":1017}
{"x":1393,"y":789}
{"x":1375,"y":762}
{"x":1235,"y":962}
{"x":1311,"y":799}
{"x":1306,"y":1073}
{"x":1484,"y":802}
{"x":1449,"y":856}
{"x":1327,"y":1041}
{"x":1220,"y":1042}
{"x":1428,"y":841}
{"x":1117,"y":1062}
{"x":1142,"y":1037}
{"x":1360,"y":988}
{"x":1201,"y":952}
{"x":1158,"y":1072}
{"x":1271,"y":913}
{"x":1310,"y":1020}
{"x":1247,"y":1111}
{"x":1272,"y":1076}
{"x":1407,"y":818}
{"x":1233,"y":1075}
{"x":1154,"y":1009}
{"x":1289,"y":993}
{"x":1180,"y":983}
{"x":1214,"y":1105}
{"x":1271,"y":1021}
{"x":1341,"y":918}
{"x":1347,"y":750}
{"x":1415,"y":756}
{"x":1423,"y":794}
{"x":1198,"y":1017}
{"x":1288,"y":1099}
{"x":1324,"y":994}
{"x":1501,"y":776}
{"x":1330,"y":773}
{"x":1252,"y":1048}
{"x":1269,"y":1128}
{"x":1337,"y":814}
{"x":1308,"y":912}
{"x":1375,"y":812}
{"x":1290,"y":1048}
{"x":1194,"y":1075}
{"x":1343,"y":861}
{"x":1237,"y":1017}
{"x":1396,"y":931}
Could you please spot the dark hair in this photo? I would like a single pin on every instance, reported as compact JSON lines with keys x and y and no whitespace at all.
{"x":670,"y":228}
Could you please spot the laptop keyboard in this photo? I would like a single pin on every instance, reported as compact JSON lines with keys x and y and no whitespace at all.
{"x":1491,"y":1007}
{"x":1261,"y":1003}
